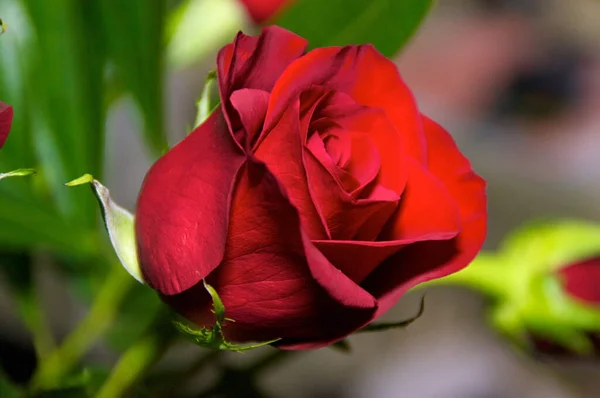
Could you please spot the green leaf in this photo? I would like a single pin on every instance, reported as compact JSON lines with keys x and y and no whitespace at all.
{"x":134,"y":38}
{"x":378,"y":327}
{"x":67,"y":72}
{"x":51,"y":72}
{"x":119,"y":224}
{"x":549,"y":244}
{"x":212,"y":336}
{"x":387,"y":24}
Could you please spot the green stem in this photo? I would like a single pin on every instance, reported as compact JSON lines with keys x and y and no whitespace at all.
{"x":35,"y":319}
{"x":27,"y":300}
{"x":246,"y":379}
{"x":485,"y":275}
{"x":101,"y":315}
{"x":139,"y":358}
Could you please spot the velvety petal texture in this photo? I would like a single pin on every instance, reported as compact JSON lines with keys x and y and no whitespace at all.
{"x":311,"y":200}
{"x":6,"y":116}
{"x":273,"y":273}
{"x":183,"y":210}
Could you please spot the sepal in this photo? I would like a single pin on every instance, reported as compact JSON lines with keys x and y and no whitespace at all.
{"x":119,"y":224}
{"x":212,"y":336}
{"x":204,"y":104}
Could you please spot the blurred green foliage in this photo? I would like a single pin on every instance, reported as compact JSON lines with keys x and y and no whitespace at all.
{"x":62,"y":64}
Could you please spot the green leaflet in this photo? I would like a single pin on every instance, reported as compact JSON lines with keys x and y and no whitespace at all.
{"x":17,"y":173}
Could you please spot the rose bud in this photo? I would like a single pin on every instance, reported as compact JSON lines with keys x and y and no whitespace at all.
{"x":311,"y":199}
{"x":262,"y":10}
{"x":6,"y":116}
{"x":542,"y":285}
{"x":581,"y":281}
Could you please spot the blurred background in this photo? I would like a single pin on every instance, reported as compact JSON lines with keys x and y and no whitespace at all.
{"x":516,"y":82}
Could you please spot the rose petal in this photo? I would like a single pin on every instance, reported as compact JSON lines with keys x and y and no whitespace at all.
{"x":346,"y":217}
{"x":255,"y":62}
{"x":251,"y":106}
{"x":345,"y":112}
{"x":345,"y":180}
{"x":423,"y":261}
{"x":281,"y":150}
{"x":367,"y":76}
{"x":357,"y":259}
{"x":273,"y":282}
{"x":182,"y":212}
{"x":6,"y":116}
{"x":427,"y":210}
{"x":393,"y":169}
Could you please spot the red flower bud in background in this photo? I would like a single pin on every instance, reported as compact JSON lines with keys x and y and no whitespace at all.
{"x":6,"y":116}
{"x":544,"y":286}
{"x":581,"y":280}
{"x":263,"y":10}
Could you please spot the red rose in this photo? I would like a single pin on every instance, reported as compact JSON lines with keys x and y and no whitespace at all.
{"x":6,"y":116}
{"x":262,"y":10}
{"x":312,"y":199}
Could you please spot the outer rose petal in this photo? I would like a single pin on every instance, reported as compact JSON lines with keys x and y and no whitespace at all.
{"x":363,"y":73}
{"x":273,"y":282}
{"x":255,"y":62}
{"x":427,"y":210}
{"x":423,"y":261}
{"x":6,"y":116}
{"x":182,"y":212}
